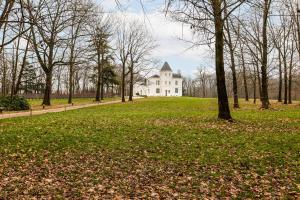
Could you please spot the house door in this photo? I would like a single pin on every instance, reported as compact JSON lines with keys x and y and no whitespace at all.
{"x":166,"y":92}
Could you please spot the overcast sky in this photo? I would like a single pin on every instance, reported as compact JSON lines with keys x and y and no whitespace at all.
{"x":167,"y":33}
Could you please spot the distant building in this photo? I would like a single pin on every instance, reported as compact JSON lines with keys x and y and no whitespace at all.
{"x":165,"y":84}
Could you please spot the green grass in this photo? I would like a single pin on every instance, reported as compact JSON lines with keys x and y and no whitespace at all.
{"x":153,"y":148}
{"x":36,"y":104}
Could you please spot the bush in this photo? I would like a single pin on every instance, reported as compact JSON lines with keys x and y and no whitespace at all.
{"x":14,"y":103}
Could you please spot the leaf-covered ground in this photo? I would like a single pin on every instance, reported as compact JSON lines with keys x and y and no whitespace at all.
{"x":155,"y":148}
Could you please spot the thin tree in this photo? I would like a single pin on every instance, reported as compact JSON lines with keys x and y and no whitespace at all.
{"x":49,"y":20}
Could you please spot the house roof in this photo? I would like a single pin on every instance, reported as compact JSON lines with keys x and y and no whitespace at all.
{"x":154,"y":76}
{"x":166,"y":67}
{"x":177,"y":76}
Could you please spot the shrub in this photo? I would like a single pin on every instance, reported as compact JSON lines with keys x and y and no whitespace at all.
{"x":14,"y":103}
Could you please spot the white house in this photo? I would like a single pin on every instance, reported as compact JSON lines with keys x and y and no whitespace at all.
{"x":165,"y":84}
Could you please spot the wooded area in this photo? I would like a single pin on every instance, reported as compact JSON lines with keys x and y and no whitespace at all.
{"x":58,"y":47}
{"x":261,"y":45}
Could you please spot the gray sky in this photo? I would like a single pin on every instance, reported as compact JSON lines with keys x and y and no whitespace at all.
{"x":167,"y":34}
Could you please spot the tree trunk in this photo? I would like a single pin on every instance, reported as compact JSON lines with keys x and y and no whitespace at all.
{"x":13,"y":72}
{"x":4,"y":81}
{"x":102,"y":78}
{"x":203,"y":90}
{"x":48,"y":88}
{"x":98,"y":86}
{"x":258,"y":80}
{"x":71,"y":80}
{"x":280,"y":79}
{"x":235,"y":87}
{"x":285,"y":83}
{"x":264,"y":66}
{"x":245,"y":77}
{"x":224,"y":112}
{"x":254,"y":89}
{"x":123,"y":82}
{"x":232,"y":67}
{"x":71,"y":73}
{"x":131,"y":84}
{"x":290,"y":85}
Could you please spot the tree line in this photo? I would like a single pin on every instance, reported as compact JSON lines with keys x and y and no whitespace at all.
{"x":54,"y":46}
{"x":256,"y":40}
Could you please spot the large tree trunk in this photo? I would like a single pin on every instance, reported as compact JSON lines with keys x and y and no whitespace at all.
{"x":48,"y":88}
{"x":224,"y":112}
{"x":71,"y":74}
{"x":264,"y":66}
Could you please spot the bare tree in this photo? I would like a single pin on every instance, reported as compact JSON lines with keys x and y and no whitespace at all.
{"x":229,"y":39}
{"x":123,"y":52}
{"x":207,"y":18}
{"x":80,"y":15}
{"x":100,"y":41}
{"x":50,"y":19}
{"x":141,"y":45}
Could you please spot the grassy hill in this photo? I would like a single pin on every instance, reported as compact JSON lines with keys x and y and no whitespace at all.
{"x":153,"y":148}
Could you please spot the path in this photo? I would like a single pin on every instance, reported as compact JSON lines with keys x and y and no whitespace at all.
{"x":54,"y":110}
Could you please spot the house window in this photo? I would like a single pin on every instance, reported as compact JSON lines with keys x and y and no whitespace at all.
{"x":169,"y":82}
{"x":176,"y":90}
{"x":157,"y":90}
{"x":157,"y":82}
{"x":169,"y":91}
{"x":166,"y":82}
{"x":176,"y":83}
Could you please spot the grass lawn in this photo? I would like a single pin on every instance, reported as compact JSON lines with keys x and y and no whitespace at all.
{"x":36,"y":104}
{"x":155,"y":148}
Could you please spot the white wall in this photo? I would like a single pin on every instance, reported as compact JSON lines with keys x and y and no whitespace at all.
{"x":166,"y":85}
